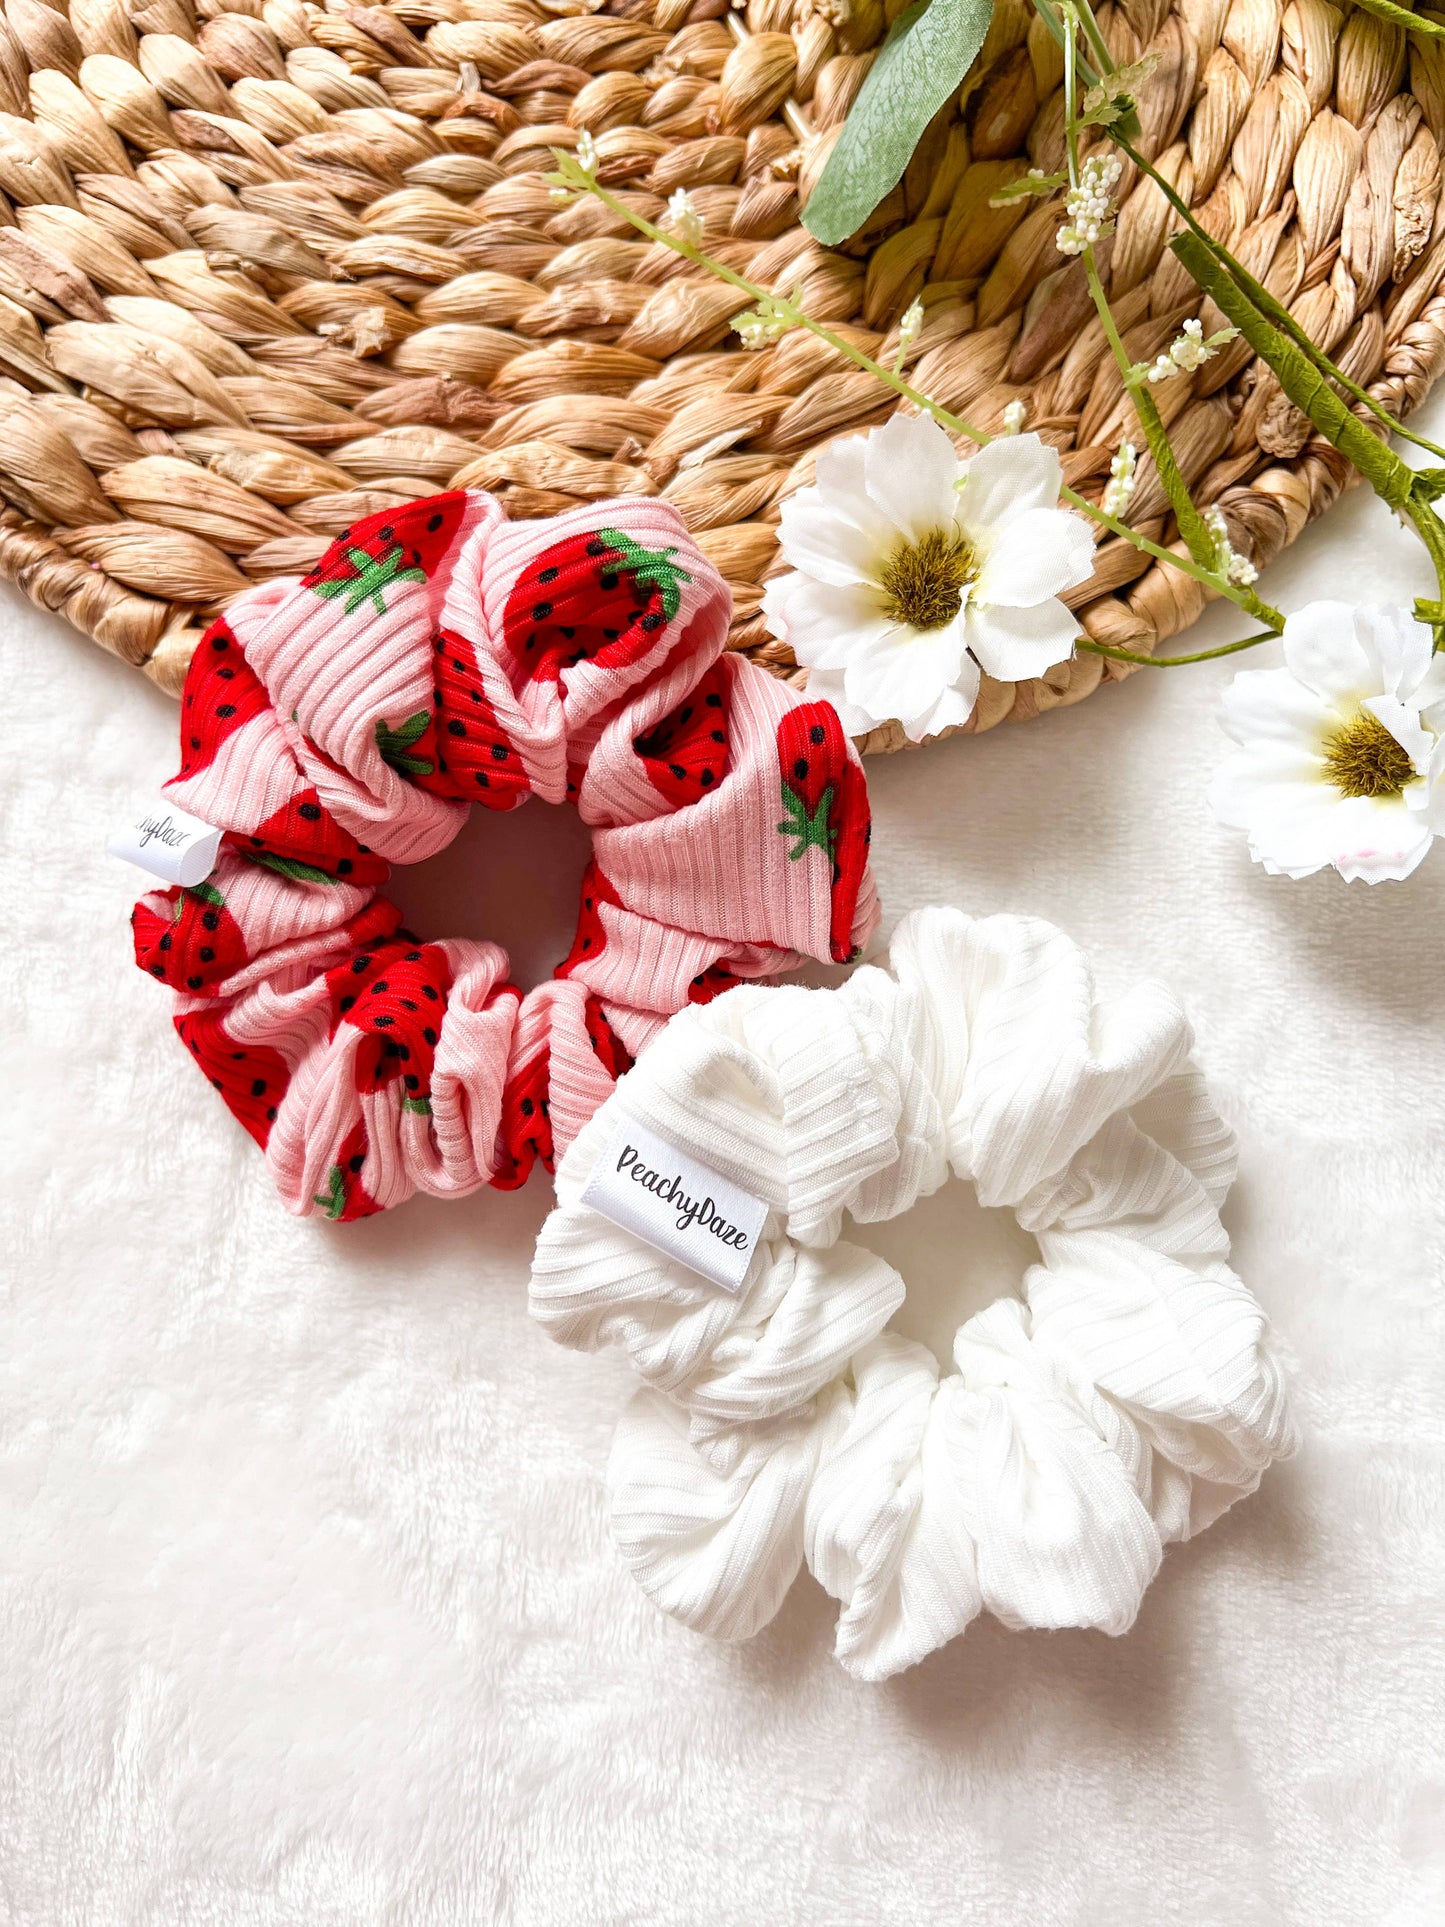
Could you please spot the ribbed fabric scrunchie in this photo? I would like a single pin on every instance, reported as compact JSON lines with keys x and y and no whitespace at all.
{"x":441,"y":656}
{"x":1124,"y":1403}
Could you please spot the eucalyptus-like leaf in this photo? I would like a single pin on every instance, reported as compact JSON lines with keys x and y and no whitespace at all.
{"x":1034,"y":182}
{"x":928,"y":51}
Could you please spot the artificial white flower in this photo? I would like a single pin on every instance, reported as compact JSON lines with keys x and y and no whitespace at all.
{"x":1189,"y":350}
{"x":684,"y":217}
{"x":912,"y":568}
{"x":1341,"y":756}
{"x":1122,"y":477}
{"x":1090,"y":205}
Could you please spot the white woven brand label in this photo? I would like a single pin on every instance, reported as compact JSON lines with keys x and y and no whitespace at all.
{"x":678,"y":1206}
{"x":169,"y":842}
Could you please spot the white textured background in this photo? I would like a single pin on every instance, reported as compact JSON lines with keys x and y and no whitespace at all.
{"x":307,"y":1608}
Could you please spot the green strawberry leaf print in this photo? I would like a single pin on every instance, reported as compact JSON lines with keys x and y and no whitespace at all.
{"x":334,"y":1196}
{"x":421,"y":1105}
{"x":650,"y":568}
{"x":371,"y":576}
{"x":394,"y":744}
{"x":290,"y":866}
{"x":812,"y":832}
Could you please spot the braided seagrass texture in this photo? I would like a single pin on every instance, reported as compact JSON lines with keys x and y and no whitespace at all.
{"x":267,"y":266}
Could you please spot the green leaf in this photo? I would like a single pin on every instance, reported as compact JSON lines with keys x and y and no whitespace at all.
{"x":812,"y":832}
{"x":393,"y":744}
{"x":333,"y":1198}
{"x":650,"y":568}
{"x":290,"y":866}
{"x":928,"y":51}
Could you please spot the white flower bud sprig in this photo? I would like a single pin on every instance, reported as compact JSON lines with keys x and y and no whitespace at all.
{"x":1188,"y":351}
{"x":1014,"y":416}
{"x":910,"y":327}
{"x":773,"y":316}
{"x":577,"y":172}
{"x":1120,"y":485}
{"x":1090,"y":205}
{"x":684,"y":218}
{"x":1232,"y":566}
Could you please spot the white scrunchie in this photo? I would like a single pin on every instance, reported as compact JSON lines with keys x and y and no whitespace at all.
{"x":1126,"y":1404}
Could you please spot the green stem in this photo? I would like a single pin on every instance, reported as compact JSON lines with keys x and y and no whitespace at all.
{"x":1274,"y":310}
{"x":1402,"y":17}
{"x":1172,"y":662}
{"x":955,"y":424}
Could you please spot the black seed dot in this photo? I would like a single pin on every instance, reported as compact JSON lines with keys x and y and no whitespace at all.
{"x":476,"y":695}
{"x":499,"y":752}
{"x":612,"y":634}
{"x":609,"y":579}
{"x":685,"y":716}
{"x":237,"y":1056}
{"x":594,"y":547}
{"x":193,"y":983}
{"x":165,"y":942}
{"x":393,"y":1049}
{"x":270,"y":1113}
{"x":714,"y":701}
{"x":800,"y":768}
{"x":696,"y":981}
{"x":652,"y":622}
{"x":706,"y":778}
{"x":344,"y":866}
{"x":547,"y":575}
{"x":456,"y":728}
{"x":356,"y":1162}
{"x":311,"y":811}
{"x":383,"y":1023}
{"x":430,"y":1035}
{"x":407,"y":1004}
{"x":358,"y":964}
{"x":586,"y":903}
{"x":195,"y":742}
{"x":816,"y":733}
{"x":157,"y":971}
{"x":207,"y":954}
{"x":412,"y":1081}
{"x":225,"y":675}
{"x":223,"y":710}
{"x":217,"y":1082}
{"x":541,"y":612}
{"x":568,"y":633}
{"x":257,"y":842}
{"x":412,"y":956}
{"x":218,"y":643}
{"x":434,"y":522}
{"x":718,"y":736}
{"x":586,"y":943}
{"x":387,"y":534}
{"x":677,"y":770}
{"x":430,"y":992}
{"x":347,"y":1002}
{"x":532,"y":641}
{"x":527,"y":1107}
{"x":483,"y":780}
{"x":258,"y":1087}
{"x":378,"y":986}
{"x":210,"y":920}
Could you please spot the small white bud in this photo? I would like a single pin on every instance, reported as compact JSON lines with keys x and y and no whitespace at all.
{"x":1013,"y":417}
{"x":587,"y":152}
{"x":684,"y":218}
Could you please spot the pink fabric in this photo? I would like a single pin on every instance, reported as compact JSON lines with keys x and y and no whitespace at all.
{"x":338,"y":724}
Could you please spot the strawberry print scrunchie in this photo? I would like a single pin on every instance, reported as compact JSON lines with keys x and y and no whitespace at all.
{"x":441,"y":656}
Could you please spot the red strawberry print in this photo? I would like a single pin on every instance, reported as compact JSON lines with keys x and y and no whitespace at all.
{"x":462,"y":751}
{"x":591,"y":938}
{"x":394,"y":545}
{"x":222,"y":694}
{"x":598,"y":596}
{"x":198,"y":946}
{"x":346,"y":1198}
{"x":395,"y":994}
{"x":825,"y":805}
{"x":524,"y":1133}
{"x":711,"y":983}
{"x":607,"y":1047}
{"x":252,"y":1078}
{"x":303,"y":841}
{"x":686,"y":754}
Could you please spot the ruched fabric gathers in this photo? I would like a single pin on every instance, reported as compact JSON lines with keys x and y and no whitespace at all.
{"x":1124,"y":1403}
{"x":440,"y":656}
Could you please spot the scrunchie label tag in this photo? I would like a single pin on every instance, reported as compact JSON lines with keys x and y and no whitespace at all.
{"x":677,"y":1205}
{"x":169,"y":842}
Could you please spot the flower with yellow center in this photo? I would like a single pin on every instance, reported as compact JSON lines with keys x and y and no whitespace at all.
{"x":913,"y":570}
{"x":1341,"y":753}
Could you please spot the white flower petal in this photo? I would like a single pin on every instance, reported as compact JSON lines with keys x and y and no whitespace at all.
{"x":821,"y":622}
{"x":1324,"y":651}
{"x":902,"y":674}
{"x":1015,"y":643}
{"x":1399,"y":644}
{"x":828,"y":544}
{"x":1015,"y":473}
{"x":1403,"y":722}
{"x":826,"y":685}
{"x":841,"y":471}
{"x":1376,"y":839}
{"x":1035,"y":555}
{"x":1269,"y":781}
{"x":954,"y":706}
{"x":912,"y":470}
{"x":1269,"y":706}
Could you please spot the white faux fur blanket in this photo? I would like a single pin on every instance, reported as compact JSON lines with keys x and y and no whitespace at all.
{"x":309,"y":1612}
